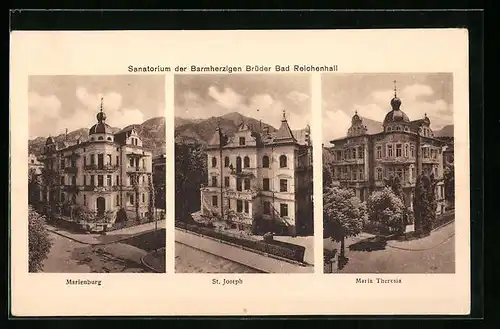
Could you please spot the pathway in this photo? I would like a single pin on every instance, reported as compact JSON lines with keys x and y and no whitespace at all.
{"x":235,"y":254}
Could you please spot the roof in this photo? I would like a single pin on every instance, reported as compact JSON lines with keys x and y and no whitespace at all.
{"x":100,"y":128}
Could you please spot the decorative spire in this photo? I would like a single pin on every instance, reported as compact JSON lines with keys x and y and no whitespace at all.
{"x":284,"y":116}
{"x":101,"y":116}
{"x":355,"y":112}
{"x":395,"y":90}
{"x":102,"y":98}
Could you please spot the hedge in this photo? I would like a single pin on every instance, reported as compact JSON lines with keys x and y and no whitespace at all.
{"x":276,"y":248}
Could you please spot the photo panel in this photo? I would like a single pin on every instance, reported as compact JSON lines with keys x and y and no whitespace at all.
{"x":388,"y":173}
{"x":96,"y":185}
{"x":243,"y":174}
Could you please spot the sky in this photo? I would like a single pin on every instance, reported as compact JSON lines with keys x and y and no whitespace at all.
{"x":59,"y":102}
{"x":262,"y":97}
{"x":370,"y":95}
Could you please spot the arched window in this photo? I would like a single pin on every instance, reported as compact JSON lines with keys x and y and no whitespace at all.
{"x":398,"y":128}
{"x":214,"y":162}
{"x":283,"y":161}
{"x":109,"y":138}
{"x":238,"y":164}
{"x":226,"y":162}
{"x":91,"y":138}
{"x":265,"y":161}
{"x":246,"y":162}
{"x":389,"y":128}
{"x":100,"y":138}
{"x":406,"y":129}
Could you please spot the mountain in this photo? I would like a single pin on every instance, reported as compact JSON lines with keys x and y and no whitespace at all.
{"x":446,"y":131}
{"x":151,"y":131}
{"x":201,"y":131}
{"x":178,"y":121}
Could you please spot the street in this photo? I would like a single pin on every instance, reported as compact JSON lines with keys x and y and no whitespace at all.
{"x":68,"y":256}
{"x":432,"y":254}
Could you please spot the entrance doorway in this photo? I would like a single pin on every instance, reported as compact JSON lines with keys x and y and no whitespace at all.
{"x":101,"y":205}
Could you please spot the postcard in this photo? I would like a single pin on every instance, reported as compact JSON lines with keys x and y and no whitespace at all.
{"x":211,"y":173}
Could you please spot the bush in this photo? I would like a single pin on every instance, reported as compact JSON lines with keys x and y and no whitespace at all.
{"x":274,"y":247}
{"x":39,"y":242}
{"x":385,"y":208}
{"x":268,"y":237}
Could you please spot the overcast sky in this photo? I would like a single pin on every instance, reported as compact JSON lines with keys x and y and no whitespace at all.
{"x":370,"y":95}
{"x":59,"y":102}
{"x":204,"y":96}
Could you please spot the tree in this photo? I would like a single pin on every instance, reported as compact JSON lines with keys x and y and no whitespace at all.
{"x":449,"y":183}
{"x":394,"y":183}
{"x":39,"y":242}
{"x":425,"y":203}
{"x":343,"y":215}
{"x":327,"y":171}
{"x":33,"y":186}
{"x":386,"y":209}
{"x":190,"y":175}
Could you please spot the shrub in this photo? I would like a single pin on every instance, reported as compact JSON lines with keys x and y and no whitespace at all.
{"x":39,"y":242}
{"x":268,"y":237}
{"x":274,"y":247}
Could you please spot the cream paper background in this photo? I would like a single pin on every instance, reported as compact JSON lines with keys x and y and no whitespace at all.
{"x":360,"y":51}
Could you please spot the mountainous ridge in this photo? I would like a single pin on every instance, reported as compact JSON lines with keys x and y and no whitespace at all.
{"x":151,"y":131}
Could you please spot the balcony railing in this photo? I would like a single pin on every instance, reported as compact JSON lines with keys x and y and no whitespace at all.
{"x":244,"y":194}
{"x":96,"y":188}
{"x":71,"y":170}
{"x":244,"y":172}
{"x":103,"y":168}
{"x":136,"y":169}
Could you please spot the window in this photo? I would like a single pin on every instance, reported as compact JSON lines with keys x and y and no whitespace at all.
{"x":361,"y":176}
{"x":283,"y":161}
{"x":353,"y":153}
{"x":131,"y":162}
{"x":100,"y":180}
{"x":110,"y":180}
{"x":84,"y":160}
{"x":84,"y":200}
{"x":214,"y":181}
{"x":239,"y":206}
{"x":389,"y":128}
{"x":73,"y":199}
{"x":265,"y":161}
{"x":267,"y":207}
{"x":62,"y":197}
{"x":398,"y":128}
{"x":84,"y":180}
{"x":246,"y":207}
{"x":92,"y":182}
{"x":73,"y":180}
{"x":242,"y":140}
{"x":226,"y":162}
{"x":109,"y":159}
{"x":265,"y":184}
{"x":109,"y":138}
{"x":117,"y":180}
{"x":100,"y":161}
{"x":62,"y":180}
{"x":229,"y":204}
{"x":226,"y":181}
{"x":238,"y":184}
{"x":117,"y":200}
{"x":246,"y":162}
{"x":399,"y":149}
{"x":283,"y":185}
{"x":143,"y":197}
{"x":379,"y":174}
{"x":353,"y":174}
{"x":426,"y":152}
{"x":406,"y":150}
{"x":389,"y":150}
{"x":62,"y":164}
{"x":143,"y":179}
{"x":283,"y":210}
{"x":100,"y":138}
{"x":131,"y":198}
{"x":399,"y":173}
{"x":247,"y":183}
{"x":379,"y":151}
{"x":412,"y":151}
{"x":117,"y":160}
{"x":360,"y":152}
{"x":214,"y":162}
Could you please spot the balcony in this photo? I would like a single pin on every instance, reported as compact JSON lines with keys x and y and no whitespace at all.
{"x":242,"y":195}
{"x":396,"y":160}
{"x":71,"y":170}
{"x":105,"y":168}
{"x":243,"y":172}
{"x":95,"y":188}
{"x":137,"y":170}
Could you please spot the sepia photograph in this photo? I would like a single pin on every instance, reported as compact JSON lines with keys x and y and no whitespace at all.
{"x":96,"y":174}
{"x":243,"y":174}
{"x":388,"y":173}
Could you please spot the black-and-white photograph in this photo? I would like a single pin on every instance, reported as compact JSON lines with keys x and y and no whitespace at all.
{"x":388,"y":173}
{"x":243,"y":174}
{"x":96,"y":174}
